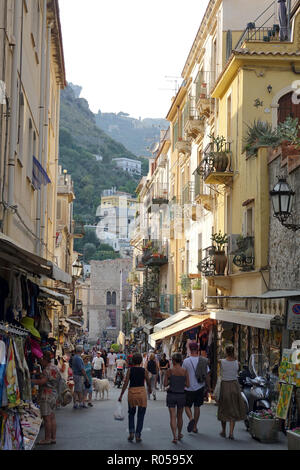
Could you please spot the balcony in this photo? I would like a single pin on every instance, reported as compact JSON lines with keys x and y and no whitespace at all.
{"x":215,"y":168}
{"x":183,"y":147}
{"x":210,"y":267}
{"x":162,"y":160}
{"x":188,"y":193}
{"x":205,"y":81}
{"x":155,"y":253}
{"x":244,"y":254}
{"x":194,"y":124}
{"x":160,"y":193}
{"x":202,"y":193}
{"x":78,"y":229}
{"x":168,"y":303}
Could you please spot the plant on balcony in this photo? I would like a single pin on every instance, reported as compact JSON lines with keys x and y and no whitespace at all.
{"x":219,"y":255}
{"x":220,"y":155}
{"x":261,"y":134}
{"x":185,"y":284}
{"x":197,"y":284}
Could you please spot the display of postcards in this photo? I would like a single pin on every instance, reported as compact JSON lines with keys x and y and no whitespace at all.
{"x":287,"y":355}
{"x":284,"y":400}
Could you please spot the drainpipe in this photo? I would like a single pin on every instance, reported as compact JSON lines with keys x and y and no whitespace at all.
{"x":14,"y":105}
{"x":41,"y":125}
{"x":46,"y":131}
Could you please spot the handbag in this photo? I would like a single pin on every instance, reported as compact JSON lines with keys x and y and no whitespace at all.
{"x":216,"y":393}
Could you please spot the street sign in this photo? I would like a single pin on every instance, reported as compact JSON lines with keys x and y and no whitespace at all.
{"x":293,"y":317}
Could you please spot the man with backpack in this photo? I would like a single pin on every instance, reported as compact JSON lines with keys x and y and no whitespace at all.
{"x":198,"y":371}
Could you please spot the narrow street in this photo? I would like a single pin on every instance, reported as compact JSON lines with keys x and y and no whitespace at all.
{"x":96,"y":429}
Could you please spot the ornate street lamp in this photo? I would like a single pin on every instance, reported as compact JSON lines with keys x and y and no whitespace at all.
{"x":282,"y":200}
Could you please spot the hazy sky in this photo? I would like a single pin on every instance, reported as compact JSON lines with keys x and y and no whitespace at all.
{"x":120,"y":51}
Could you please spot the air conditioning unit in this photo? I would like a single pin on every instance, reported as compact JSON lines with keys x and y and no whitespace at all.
{"x":232,"y":243}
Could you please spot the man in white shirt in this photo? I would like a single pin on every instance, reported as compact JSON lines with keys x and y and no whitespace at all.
{"x":195,"y":392}
{"x":98,"y":365}
{"x":111,"y":358}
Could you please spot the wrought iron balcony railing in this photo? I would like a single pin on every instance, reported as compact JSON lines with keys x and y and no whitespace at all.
{"x":244,"y":256}
{"x":155,"y":253}
{"x":188,"y":193}
{"x":160,"y":193}
{"x":216,"y":166}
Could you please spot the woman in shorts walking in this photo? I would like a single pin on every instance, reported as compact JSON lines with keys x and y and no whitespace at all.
{"x":176,"y":379}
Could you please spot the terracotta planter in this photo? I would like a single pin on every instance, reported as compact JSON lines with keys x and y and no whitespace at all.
{"x":220,"y":262}
{"x":220,"y":161}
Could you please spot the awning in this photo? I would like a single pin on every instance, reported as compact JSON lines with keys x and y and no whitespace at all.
{"x":74,"y":322}
{"x":58,"y":274}
{"x":16,"y":256}
{"x":171,"y":320}
{"x":186,"y":324}
{"x":256,"y":320}
{"x":63,"y":299}
{"x":147,"y":328}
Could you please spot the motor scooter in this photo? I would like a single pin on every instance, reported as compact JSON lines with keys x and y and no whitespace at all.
{"x":257,"y":387}
{"x":119,"y":378}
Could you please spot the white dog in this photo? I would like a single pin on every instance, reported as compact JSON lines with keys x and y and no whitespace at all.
{"x":99,"y":386}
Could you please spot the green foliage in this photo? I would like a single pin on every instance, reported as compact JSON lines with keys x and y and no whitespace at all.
{"x":218,"y":141}
{"x":81,"y":141}
{"x":115,"y":347}
{"x":261,"y":134}
{"x":220,"y":240}
{"x":91,"y":248}
{"x":197,"y":284}
{"x":185,"y":284}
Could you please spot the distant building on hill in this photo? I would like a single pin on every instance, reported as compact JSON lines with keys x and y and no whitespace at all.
{"x":133,"y":167}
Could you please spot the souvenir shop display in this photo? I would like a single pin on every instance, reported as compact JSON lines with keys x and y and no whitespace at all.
{"x":20,"y":418}
{"x":288,"y":407}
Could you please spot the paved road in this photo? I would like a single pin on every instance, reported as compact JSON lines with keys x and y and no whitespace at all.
{"x":95,"y":429}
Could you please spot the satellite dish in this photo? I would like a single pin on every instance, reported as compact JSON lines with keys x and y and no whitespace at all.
{"x":154,"y":147}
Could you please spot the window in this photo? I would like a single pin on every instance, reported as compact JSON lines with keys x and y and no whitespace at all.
{"x":21,"y":129}
{"x":114,"y":298}
{"x":108,"y":298}
{"x":35,"y":25}
{"x":229,"y":117}
{"x":248,"y":223}
{"x":58,"y":210}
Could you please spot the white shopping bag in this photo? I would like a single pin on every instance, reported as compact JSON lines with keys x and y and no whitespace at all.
{"x":119,"y":413}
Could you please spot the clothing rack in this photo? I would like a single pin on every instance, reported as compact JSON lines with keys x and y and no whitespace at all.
{"x":13,"y":329}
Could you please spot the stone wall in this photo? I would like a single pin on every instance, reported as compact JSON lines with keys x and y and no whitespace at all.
{"x":106,"y":277}
{"x":284,"y":247}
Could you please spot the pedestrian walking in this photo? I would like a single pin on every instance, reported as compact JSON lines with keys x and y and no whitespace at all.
{"x":164,"y":365}
{"x":111,"y":360}
{"x":48,"y":394}
{"x":104,"y":356}
{"x":231,"y":407}
{"x":145,"y":359}
{"x":196,"y":390}
{"x":152,"y":369}
{"x":137,"y":396}
{"x":176,"y":379}
{"x":98,"y":366}
{"x":88,"y":391}
{"x":79,"y":375}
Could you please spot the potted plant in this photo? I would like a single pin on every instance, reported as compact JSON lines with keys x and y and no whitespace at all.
{"x":287,"y":132}
{"x":264,"y":426}
{"x":196,"y":293}
{"x":293,"y":437}
{"x":185,"y":284}
{"x":155,"y":253}
{"x":219,"y":255}
{"x":219,"y":156}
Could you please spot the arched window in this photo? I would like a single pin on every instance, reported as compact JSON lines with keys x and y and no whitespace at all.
{"x":287,"y":108}
{"x":108,"y":298}
{"x":114,"y":298}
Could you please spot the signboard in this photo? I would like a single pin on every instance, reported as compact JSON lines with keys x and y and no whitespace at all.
{"x":293,"y":316}
{"x":284,"y":401}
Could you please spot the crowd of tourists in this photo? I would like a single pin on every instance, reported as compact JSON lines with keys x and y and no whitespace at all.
{"x":186,"y":382}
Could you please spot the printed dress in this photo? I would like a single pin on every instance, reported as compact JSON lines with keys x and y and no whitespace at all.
{"x":49,"y":391}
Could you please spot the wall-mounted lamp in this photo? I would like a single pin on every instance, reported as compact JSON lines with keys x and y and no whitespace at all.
{"x":282,"y":199}
{"x":269,"y":88}
{"x":65,"y":176}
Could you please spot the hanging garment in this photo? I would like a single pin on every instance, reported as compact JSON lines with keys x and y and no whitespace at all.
{"x":26,"y":390}
{"x":16,"y":293}
{"x":19,"y":369}
{"x":4,"y":291}
{"x":11,"y":379}
{"x":2,"y":366}
{"x":25,"y":293}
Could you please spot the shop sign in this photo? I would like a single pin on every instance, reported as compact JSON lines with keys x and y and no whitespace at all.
{"x":293,"y":317}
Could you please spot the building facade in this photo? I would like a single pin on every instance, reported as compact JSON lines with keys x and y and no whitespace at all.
{"x":134,"y":167}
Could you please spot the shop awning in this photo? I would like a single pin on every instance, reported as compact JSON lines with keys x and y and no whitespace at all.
{"x":183,"y":325}
{"x":147,"y":328}
{"x":74,"y":322}
{"x":16,"y":256}
{"x":58,"y":274}
{"x":256,"y":320}
{"x":63,"y":299}
{"x":171,"y":320}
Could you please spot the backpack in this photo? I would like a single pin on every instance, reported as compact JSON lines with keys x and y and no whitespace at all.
{"x":129,"y":360}
{"x":64,"y":393}
{"x":201,"y":369}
